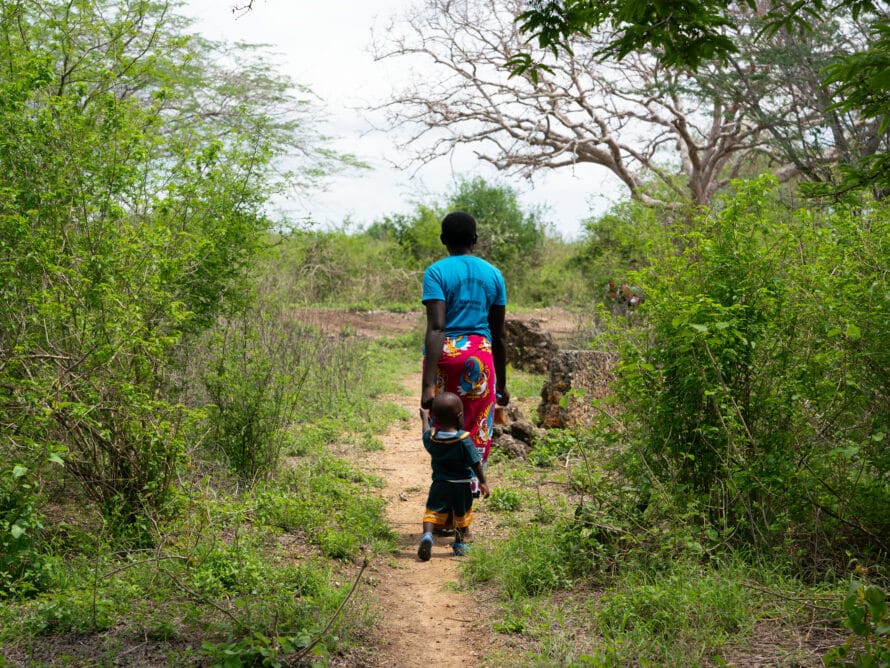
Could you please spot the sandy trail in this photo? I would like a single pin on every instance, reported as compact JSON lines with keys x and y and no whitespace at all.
{"x":423,"y":620}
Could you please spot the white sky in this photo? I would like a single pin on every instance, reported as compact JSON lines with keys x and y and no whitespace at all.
{"x":325,"y":45}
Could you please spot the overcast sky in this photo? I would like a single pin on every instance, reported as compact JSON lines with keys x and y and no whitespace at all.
{"x":325,"y":45}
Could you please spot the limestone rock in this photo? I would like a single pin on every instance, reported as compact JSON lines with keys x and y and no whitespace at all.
{"x":513,"y":448}
{"x":517,"y":436}
{"x":529,"y":347}
{"x":576,"y":378}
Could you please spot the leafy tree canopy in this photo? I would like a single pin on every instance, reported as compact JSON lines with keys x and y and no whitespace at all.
{"x":685,"y":33}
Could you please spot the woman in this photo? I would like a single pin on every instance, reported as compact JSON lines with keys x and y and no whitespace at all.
{"x":464,"y":349}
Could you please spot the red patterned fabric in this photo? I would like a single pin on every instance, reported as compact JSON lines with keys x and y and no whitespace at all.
{"x":467,"y":369}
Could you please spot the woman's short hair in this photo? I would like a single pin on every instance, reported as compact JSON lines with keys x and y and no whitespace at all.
{"x":459,"y":230}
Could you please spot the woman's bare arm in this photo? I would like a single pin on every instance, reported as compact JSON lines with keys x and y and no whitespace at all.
{"x":432,"y":343}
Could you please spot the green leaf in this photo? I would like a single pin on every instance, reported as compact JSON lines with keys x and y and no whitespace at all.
{"x":16,"y":531}
{"x":18,"y":471}
{"x":853,"y":332}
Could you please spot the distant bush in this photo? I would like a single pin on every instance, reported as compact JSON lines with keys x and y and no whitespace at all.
{"x":343,"y":269}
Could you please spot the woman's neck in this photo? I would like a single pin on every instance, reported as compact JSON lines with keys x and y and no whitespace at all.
{"x":459,"y":251}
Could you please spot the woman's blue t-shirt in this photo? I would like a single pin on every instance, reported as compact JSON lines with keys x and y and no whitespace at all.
{"x":469,"y":286}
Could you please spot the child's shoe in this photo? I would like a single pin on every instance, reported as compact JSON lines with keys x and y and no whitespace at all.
{"x":425,"y":549}
{"x":460,"y":549}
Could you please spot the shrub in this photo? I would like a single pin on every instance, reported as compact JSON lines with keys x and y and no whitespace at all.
{"x":25,"y":568}
{"x":865,"y":607}
{"x":254,"y":381}
{"x":753,"y":391}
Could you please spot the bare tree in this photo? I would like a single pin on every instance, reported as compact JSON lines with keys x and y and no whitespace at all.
{"x":632,"y":118}
{"x":690,"y":132}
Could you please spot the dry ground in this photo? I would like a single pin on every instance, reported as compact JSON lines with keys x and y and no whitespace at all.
{"x":424,"y":619}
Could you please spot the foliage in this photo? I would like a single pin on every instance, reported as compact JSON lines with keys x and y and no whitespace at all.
{"x":864,"y":86}
{"x":131,"y":209}
{"x":25,"y":565}
{"x":684,"y":36}
{"x":382,"y":265}
{"x":417,"y":233}
{"x":554,"y":444}
{"x":555,"y":280}
{"x":329,"y":502}
{"x":229,"y":571}
{"x":616,"y":244}
{"x":755,"y":383}
{"x":530,"y":563}
{"x":336,"y":267}
{"x":686,"y":612}
{"x":255,"y":379}
{"x":504,"y":499}
{"x":866,"y":616}
{"x":509,"y":237}
{"x":257,"y":650}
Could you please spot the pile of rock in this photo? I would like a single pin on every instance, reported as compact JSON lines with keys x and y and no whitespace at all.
{"x":577,"y":377}
{"x":529,"y":347}
{"x":515,"y":438}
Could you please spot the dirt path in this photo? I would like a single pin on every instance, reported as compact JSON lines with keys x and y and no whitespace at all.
{"x":423,"y":620}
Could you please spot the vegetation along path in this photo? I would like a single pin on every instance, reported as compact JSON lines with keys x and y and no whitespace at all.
{"x":424,"y":619}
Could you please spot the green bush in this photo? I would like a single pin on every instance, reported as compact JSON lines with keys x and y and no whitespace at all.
{"x":254,"y":382}
{"x":753,"y":388}
{"x":865,"y":607}
{"x":128,"y":226}
{"x":343,"y":269}
{"x":25,"y":566}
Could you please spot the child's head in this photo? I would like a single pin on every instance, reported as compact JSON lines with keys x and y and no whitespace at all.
{"x":448,"y":411}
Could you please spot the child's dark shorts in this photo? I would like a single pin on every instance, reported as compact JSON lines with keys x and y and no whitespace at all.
{"x":449,"y":497}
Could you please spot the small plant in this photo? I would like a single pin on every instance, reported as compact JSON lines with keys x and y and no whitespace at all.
{"x":371,"y":443}
{"x":227,"y":570}
{"x":866,"y":609}
{"x":257,"y":650}
{"x":504,"y":499}
{"x":554,"y":444}
{"x":24,"y":567}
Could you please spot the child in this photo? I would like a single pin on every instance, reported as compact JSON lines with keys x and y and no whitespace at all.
{"x":454,"y":461}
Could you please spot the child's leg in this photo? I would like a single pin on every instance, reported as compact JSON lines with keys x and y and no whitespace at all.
{"x":462,"y":528}
{"x":425,"y":548}
{"x":434,"y":515}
